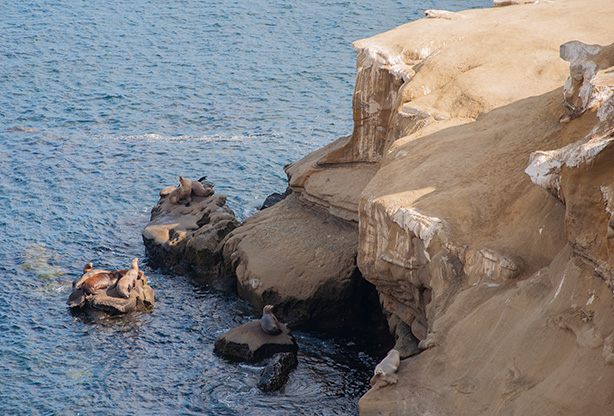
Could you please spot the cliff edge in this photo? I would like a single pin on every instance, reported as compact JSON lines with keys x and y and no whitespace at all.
{"x":488,"y":227}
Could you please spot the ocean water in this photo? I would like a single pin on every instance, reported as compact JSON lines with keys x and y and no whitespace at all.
{"x":102,"y":104}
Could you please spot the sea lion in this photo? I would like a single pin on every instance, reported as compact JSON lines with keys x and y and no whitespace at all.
{"x":198,"y":189}
{"x":128,"y":281}
{"x":389,"y":365}
{"x":385,"y":371}
{"x":88,"y":271}
{"x":183,"y":192}
{"x":99,"y":281}
{"x":269,"y":323}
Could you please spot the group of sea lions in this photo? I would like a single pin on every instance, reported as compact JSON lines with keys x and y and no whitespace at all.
{"x":183,"y":193}
{"x":100,"y":287}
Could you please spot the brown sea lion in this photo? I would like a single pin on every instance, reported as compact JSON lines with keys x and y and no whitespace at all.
{"x":128,"y":281}
{"x":98,"y":282}
{"x":198,"y":189}
{"x":88,"y":271}
{"x":269,"y":323}
{"x":183,"y":192}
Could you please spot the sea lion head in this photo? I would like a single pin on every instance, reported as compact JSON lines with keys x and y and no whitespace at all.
{"x":267,"y":309}
{"x":135,"y":264}
{"x":185,"y":182}
{"x":88,"y":267}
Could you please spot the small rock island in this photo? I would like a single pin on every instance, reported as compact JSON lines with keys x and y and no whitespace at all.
{"x":114,"y":292}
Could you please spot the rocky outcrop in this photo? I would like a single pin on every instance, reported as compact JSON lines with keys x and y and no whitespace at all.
{"x":249,"y":343}
{"x":506,"y":286}
{"x":298,"y":259}
{"x":99,"y":290}
{"x":187,"y":236}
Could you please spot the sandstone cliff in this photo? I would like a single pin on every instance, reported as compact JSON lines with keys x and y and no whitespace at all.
{"x":487,"y":226}
{"x":476,"y":193}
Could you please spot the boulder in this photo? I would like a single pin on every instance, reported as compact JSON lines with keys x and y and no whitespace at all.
{"x":186,"y":237}
{"x":107,"y":299}
{"x":274,"y":198}
{"x":275,"y":375}
{"x":299,"y":259}
{"x":248,"y":342}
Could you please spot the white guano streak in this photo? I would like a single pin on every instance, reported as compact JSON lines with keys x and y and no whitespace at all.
{"x":423,"y":226}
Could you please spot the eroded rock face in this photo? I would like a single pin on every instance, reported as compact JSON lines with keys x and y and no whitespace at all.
{"x":585,"y":88}
{"x":187,"y":237}
{"x":300,"y":260}
{"x":506,"y":286}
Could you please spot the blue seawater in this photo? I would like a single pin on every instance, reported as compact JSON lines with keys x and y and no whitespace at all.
{"x":102,"y":104}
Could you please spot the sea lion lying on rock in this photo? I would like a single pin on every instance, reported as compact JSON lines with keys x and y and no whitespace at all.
{"x":187,"y":188}
{"x":92,"y":281}
{"x":203,"y":190}
{"x":386,"y":369}
{"x":99,"y":281}
{"x":269,"y":323}
{"x":114,"y":292}
{"x":88,"y":271}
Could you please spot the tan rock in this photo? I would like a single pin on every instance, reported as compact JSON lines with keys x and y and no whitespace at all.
{"x":506,"y":286}
{"x":298,"y":258}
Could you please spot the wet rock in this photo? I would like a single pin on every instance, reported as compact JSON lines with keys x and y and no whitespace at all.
{"x":275,"y":375}
{"x":249,"y":343}
{"x":107,"y":299}
{"x":274,"y":198}
{"x":186,"y":236}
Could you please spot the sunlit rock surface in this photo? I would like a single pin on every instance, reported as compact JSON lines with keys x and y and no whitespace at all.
{"x":479,"y":175}
{"x":487,"y":228}
{"x":299,"y":259}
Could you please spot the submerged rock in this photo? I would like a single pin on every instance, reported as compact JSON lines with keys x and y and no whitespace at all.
{"x":249,"y":343}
